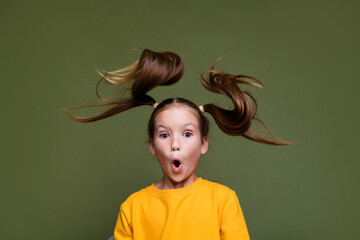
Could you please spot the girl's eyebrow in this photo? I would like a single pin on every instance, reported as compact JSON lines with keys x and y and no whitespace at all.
{"x":185,"y":125}
{"x":161,"y":126}
{"x":189,"y":124}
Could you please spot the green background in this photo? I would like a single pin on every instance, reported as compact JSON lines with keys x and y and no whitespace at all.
{"x":63,"y":180}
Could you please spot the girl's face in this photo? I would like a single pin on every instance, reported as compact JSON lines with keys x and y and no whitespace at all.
{"x":178,"y":145}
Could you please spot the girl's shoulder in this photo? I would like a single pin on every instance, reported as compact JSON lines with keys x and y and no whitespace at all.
{"x":221,"y":194}
{"x":137,"y":196}
{"x":217,"y":187}
{"x":216,"y":190}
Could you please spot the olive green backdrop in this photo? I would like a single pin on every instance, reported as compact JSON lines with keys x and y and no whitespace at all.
{"x":63,"y":180}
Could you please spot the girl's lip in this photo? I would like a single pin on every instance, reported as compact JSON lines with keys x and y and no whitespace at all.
{"x":178,"y":168}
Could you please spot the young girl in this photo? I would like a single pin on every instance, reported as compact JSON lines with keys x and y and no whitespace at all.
{"x":182,"y":205}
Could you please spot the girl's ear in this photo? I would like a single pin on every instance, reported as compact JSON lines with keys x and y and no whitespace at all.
{"x":151,"y":146}
{"x":204,"y":145}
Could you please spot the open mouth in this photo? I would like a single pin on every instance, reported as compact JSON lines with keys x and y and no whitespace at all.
{"x":176,"y":165}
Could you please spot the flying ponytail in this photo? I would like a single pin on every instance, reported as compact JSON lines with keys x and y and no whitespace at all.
{"x":236,"y":122}
{"x":165,"y":68}
{"x":151,"y":70}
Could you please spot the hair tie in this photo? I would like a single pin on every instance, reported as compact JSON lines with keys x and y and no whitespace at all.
{"x":155,"y":105}
{"x":201,"y":108}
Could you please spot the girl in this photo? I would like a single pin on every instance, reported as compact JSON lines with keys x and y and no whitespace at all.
{"x":182,"y":205}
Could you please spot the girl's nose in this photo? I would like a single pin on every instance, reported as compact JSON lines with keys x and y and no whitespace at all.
{"x":175,"y":146}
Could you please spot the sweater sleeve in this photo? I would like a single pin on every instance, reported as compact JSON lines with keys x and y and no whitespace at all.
{"x":122,"y":230}
{"x":233,"y":226}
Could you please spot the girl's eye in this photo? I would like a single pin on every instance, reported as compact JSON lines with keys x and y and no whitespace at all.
{"x":164,"y":135}
{"x":188,"y":134}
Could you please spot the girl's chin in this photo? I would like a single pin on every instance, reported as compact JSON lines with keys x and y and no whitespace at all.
{"x":177,"y":179}
{"x":180,"y":179}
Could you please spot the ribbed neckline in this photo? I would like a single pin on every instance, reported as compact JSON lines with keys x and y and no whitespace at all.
{"x":175,"y":192}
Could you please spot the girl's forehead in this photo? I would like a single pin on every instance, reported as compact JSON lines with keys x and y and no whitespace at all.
{"x":177,"y":113}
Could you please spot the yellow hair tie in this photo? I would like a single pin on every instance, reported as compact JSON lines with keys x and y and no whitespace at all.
{"x":201,"y":108}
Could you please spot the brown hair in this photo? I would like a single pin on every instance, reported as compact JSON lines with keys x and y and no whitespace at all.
{"x":165,"y":68}
{"x":151,"y":70}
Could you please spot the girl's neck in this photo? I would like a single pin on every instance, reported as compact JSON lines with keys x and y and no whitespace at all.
{"x":166,"y":183}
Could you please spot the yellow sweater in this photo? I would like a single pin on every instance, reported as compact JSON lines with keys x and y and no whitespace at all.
{"x":202,"y":210}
